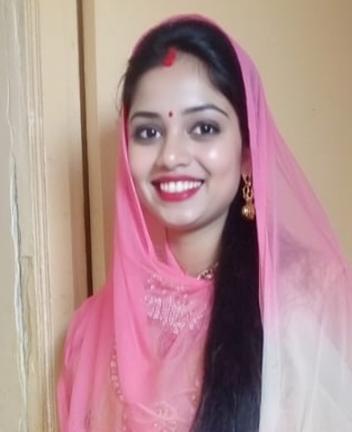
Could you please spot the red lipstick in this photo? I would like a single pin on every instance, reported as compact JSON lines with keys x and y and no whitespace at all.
{"x":177,"y":188}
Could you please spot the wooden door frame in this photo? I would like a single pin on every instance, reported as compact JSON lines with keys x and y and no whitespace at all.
{"x":46,"y":196}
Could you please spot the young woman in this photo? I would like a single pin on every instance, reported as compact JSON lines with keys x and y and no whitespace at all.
{"x":228,"y":304}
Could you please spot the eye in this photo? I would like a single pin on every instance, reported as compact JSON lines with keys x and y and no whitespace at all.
{"x":205,"y":129}
{"x":146,"y":133}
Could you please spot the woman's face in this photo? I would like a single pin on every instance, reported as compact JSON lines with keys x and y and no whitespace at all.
{"x":184,"y":146}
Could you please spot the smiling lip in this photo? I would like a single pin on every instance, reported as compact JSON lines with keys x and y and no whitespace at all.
{"x":178,"y":188}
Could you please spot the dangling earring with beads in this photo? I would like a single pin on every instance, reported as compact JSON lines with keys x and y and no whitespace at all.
{"x":248,"y":209}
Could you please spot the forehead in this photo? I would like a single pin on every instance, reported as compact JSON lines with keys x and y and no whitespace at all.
{"x":179,"y":86}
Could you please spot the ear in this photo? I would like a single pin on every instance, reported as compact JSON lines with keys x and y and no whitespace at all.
{"x":246,"y":163}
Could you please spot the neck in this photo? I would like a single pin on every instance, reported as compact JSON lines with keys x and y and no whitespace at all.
{"x":196,"y":250}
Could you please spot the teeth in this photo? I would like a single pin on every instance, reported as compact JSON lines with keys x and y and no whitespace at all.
{"x":179,"y":186}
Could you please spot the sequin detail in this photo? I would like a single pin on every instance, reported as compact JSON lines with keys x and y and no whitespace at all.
{"x":171,"y":306}
{"x":114,"y":375}
{"x":195,"y":393}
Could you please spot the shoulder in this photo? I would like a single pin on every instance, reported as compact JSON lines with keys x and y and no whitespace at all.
{"x":79,"y":323}
{"x":85,"y":318}
{"x":81,"y":332}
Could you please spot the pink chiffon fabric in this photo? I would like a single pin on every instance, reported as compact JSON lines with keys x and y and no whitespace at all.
{"x":133,"y":354}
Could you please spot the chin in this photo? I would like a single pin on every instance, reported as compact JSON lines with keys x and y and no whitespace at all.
{"x":178,"y":225}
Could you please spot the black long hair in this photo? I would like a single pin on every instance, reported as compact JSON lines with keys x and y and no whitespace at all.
{"x":231,"y":388}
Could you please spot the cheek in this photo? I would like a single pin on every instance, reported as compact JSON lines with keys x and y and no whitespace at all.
{"x":225,"y":161}
{"x":140,"y":161}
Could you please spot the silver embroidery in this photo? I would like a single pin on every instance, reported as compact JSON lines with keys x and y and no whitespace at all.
{"x":114,"y":376}
{"x":172,"y":307}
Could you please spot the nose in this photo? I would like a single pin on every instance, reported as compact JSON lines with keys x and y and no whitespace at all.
{"x":174,"y":151}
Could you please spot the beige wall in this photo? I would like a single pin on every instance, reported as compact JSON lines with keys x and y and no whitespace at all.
{"x":303,"y":51}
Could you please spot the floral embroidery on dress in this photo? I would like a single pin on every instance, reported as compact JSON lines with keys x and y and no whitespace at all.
{"x":165,"y":418}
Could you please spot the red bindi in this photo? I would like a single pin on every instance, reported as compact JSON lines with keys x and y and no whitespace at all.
{"x":170,"y":57}
{"x":171,"y":113}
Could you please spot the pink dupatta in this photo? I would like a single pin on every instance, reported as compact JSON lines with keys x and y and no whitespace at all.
{"x":133,"y":351}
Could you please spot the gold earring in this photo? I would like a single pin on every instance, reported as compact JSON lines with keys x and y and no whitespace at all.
{"x":248,"y":210}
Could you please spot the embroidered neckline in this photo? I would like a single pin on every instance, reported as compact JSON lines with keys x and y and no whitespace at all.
{"x":172,"y":308}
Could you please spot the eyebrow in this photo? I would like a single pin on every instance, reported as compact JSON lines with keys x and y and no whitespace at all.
{"x":203,"y":108}
{"x":191,"y":110}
